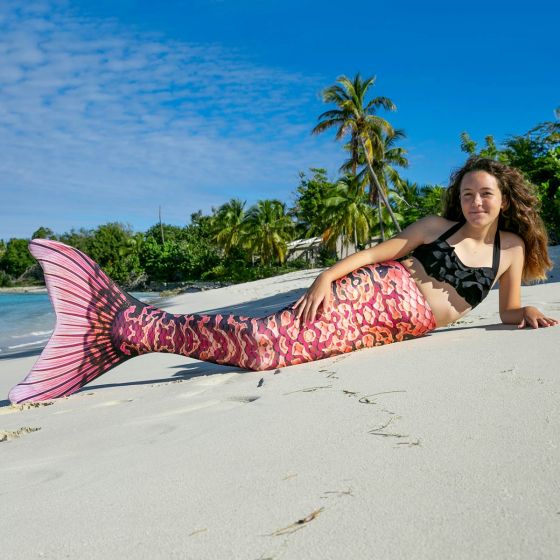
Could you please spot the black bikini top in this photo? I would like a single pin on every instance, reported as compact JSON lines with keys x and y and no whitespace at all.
{"x":440,"y":261}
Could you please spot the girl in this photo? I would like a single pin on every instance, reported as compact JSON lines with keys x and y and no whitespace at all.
{"x":427,"y":276}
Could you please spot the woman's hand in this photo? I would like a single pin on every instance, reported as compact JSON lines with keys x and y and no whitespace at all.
{"x":318,"y":294}
{"x":532,"y":317}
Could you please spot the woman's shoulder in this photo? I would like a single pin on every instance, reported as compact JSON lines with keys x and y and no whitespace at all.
{"x":510,"y":240}
{"x":425,"y":230}
{"x":435,"y":222}
{"x":512,"y":249}
{"x":434,"y":226}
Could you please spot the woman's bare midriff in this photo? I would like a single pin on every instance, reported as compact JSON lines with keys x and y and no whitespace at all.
{"x":446,"y":304}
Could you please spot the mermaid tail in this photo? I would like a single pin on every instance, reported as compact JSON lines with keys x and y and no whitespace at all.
{"x":86,"y":303}
{"x":99,"y":326}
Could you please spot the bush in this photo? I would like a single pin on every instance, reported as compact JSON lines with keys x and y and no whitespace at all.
{"x":17,"y":258}
{"x":6,"y":281}
{"x":327,"y":257}
{"x":550,"y":212}
{"x":115,"y":248}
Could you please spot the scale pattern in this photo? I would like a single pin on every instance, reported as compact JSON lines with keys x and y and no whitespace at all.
{"x":373,"y":305}
{"x":99,"y":326}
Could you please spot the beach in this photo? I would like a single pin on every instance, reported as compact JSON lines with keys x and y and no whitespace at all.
{"x":440,"y":447}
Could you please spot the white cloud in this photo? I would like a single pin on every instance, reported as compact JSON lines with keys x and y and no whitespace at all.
{"x":100,"y":123}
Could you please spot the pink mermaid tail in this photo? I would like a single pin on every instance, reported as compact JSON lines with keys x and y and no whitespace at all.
{"x":86,"y":302}
{"x":99,"y":326}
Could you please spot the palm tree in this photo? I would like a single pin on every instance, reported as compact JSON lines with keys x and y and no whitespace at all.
{"x":267,"y":230}
{"x":409,"y":201}
{"x":228,"y":224}
{"x":358,"y":119}
{"x":347,"y":213}
{"x":387,"y":156}
{"x":491,"y":151}
{"x":432,"y":200}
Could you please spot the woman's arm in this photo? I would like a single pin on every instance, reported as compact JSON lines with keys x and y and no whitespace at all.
{"x":394,"y":248}
{"x":511,"y":311}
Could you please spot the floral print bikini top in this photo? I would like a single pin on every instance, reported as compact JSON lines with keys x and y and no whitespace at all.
{"x":440,"y":261}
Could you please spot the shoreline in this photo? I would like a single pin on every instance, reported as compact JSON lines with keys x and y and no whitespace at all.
{"x":24,"y":290}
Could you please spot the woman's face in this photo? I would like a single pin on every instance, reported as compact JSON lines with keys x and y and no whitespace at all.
{"x":481,"y":198}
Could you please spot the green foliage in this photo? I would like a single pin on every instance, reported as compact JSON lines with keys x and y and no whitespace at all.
{"x":327,"y":256}
{"x":186,"y":254}
{"x":408,"y":202}
{"x":267,"y":230}
{"x":227,"y":225}
{"x":309,"y":204}
{"x":79,"y":239}
{"x":234,"y":268}
{"x":196,"y":253}
{"x":537,"y":154}
{"x":165,"y":233}
{"x":347,"y":213}
{"x":238,"y":271}
{"x":431,"y":201}
{"x":414,"y":202}
{"x":202,"y":224}
{"x":115,"y":248}
{"x":17,"y":258}
{"x":157,"y":259}
{"x":6,"y":281}
{"x":43,"y":233}
{"x":491,"y":151}
{"x":550,"y":211}
{"x":389,"y":228}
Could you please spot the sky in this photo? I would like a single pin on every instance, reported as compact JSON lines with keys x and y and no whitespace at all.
{"x":110,"y":109}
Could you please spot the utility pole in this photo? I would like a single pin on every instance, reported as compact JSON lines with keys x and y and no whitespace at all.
{"x":161,"y":227}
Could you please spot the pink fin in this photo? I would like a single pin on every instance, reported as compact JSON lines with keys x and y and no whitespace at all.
{"x":86,"y":301}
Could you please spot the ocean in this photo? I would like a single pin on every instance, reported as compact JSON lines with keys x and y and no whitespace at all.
{"x":27,"y":320}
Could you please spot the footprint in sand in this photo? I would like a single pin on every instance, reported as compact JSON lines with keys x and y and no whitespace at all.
{"x":200,"y":385}
{"x":190,"y":394}
{"x":216,"y":379}
{"x":111,"y":403}
{"x":227,"y":404}
{"x":8,"y":435}
{"x":191,"y":408}
{"x":24,"y":406}
{"x":244,"y":400}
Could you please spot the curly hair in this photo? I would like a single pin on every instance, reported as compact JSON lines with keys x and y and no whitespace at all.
{"x":520,"y":215}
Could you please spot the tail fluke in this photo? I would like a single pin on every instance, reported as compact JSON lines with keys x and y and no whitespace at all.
{"x":86,"y":302}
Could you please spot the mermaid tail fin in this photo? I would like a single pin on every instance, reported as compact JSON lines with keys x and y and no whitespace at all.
{"x":86,"y":302}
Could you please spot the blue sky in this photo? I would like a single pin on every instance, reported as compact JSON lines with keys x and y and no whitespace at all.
{"x":111,"y":108}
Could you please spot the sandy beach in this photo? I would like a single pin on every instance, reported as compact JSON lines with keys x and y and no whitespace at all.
{"x":441,"y":447}
{"x":24,"y":290}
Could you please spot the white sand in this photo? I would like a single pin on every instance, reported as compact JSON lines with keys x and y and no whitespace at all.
{"x":442,"y":447}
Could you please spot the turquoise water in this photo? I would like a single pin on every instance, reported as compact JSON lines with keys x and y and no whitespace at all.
{"x":27,"y":320}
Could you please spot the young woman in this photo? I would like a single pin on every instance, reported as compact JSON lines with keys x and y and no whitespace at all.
{"x":490,"y":231}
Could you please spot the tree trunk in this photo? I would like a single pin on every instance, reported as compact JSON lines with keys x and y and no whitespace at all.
{"x":380,"y":191}
{"x":380,"y":214}
{"x":161,"y":228}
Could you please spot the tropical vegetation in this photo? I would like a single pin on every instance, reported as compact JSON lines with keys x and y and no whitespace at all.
{"x":368,"y":201}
